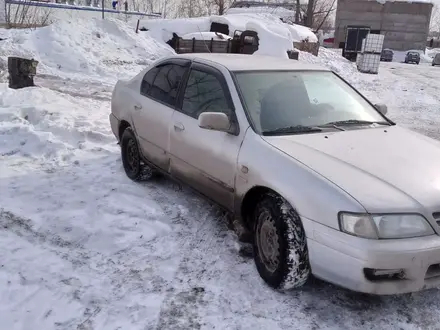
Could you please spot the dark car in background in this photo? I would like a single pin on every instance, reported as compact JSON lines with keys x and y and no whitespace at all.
{"x":387,"y":55}
{"x":436,"y":60}
{"x":412,"y":57}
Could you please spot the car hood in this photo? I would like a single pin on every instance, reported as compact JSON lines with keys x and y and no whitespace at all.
{"x":386,"y":169}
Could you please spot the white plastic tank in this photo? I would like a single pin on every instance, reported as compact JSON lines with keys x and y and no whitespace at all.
{"x":368,"y":60}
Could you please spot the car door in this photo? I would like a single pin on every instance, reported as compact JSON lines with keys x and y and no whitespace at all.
{"x":154,"y":107}
{"x":205,"y":159}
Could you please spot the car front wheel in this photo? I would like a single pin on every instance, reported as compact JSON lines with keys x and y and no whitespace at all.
{"x":280,"y":248}
{"x":131,"y":157}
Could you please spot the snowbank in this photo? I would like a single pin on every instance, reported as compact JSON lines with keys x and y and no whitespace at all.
{"x":275,"y":36}
{"x":207,"y":36}
{"x":432,"y":52}
{"x":96,"y":48}
{"x":277,"y":11}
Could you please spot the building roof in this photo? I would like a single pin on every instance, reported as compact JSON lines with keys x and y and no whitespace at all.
{"x":241,"y":62}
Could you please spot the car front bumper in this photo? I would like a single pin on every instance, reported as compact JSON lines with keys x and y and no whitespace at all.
{"x":114,"y":123}
{"x":342,"y":259}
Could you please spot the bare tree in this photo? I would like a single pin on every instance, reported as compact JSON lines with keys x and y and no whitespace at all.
{"x":434,"y":27}
{"x":191,"y":8}
{"x":297,"y":12}
{"x":318,"y":13}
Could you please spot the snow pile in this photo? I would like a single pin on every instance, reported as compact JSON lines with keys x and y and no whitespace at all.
{"x":332,"y":59}
{"x":275,"y":37}
{"x":41,"y":126}
{"x":96,"y":48}
{"x":432,"y":52}
{"x":207,"y":36}
{"x":281,"y":12}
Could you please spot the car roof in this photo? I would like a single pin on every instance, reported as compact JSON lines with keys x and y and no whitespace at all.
{"x":242,"y":62}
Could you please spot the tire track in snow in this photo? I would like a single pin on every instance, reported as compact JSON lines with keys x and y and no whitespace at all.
{"x":95,"y":90}
{"x":186,"y":293}
{"x":76,"y":255}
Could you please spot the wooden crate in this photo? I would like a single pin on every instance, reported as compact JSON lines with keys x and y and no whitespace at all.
{"x":203,"y":46}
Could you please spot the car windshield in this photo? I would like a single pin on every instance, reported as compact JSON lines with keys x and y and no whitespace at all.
{"x":413,"y":53}
{"x":302,"y":102}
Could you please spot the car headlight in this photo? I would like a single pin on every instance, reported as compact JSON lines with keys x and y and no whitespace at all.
{"x":385,"y":226}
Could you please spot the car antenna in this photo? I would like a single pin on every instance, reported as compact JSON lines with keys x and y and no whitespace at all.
{"x":203,"y":39}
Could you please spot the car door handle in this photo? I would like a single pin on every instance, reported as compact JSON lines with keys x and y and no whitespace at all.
{"x":179,"y":127}
{"x":137,"y":107}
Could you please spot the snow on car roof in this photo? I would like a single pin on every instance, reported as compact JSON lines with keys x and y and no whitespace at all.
{"x":237,"y":62}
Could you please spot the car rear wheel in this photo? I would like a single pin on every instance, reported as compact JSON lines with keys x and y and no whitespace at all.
{"x":131,"y":157}
{"x":280,"y":248}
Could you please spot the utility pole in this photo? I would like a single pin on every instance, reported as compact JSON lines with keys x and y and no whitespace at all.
{"x":102,"y":8}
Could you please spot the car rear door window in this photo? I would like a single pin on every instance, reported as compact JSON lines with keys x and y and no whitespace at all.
{"x":204,"y":93}
{"x":166,"y":84}
{"x":148,"y":79}
{"x":162,"y":83}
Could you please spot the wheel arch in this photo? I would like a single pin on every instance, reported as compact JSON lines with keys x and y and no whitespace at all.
{"x":250,"y":199}
{"x":122,"y":127}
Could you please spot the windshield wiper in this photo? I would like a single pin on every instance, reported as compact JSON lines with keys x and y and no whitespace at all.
{"x":355,"y":122}
{"x":298,"y":129}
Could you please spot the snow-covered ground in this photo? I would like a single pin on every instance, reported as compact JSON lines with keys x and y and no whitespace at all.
{"x":83,"y":247}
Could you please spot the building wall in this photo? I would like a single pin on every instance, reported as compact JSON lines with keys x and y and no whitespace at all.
{"x":404,"y":24}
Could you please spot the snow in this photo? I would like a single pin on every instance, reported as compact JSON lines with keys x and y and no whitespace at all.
{"x":275,"y":37}
{"x":83,"y":247}
{"x":95,"y":44}
{"x":277,"y":11}
{"x":207,"y":36}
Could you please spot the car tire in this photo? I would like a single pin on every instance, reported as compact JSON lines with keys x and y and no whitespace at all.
{"x":134,"y":167}
{"x":279,"y":242}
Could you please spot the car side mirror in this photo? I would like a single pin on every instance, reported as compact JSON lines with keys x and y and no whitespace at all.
{"x":215,"y":121}
{"x":383,"y":109}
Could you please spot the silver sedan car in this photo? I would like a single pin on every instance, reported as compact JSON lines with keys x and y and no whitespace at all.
{"x":320,"y":179}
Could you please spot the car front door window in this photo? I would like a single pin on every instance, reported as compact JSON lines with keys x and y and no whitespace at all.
{"x":204,"y":93}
